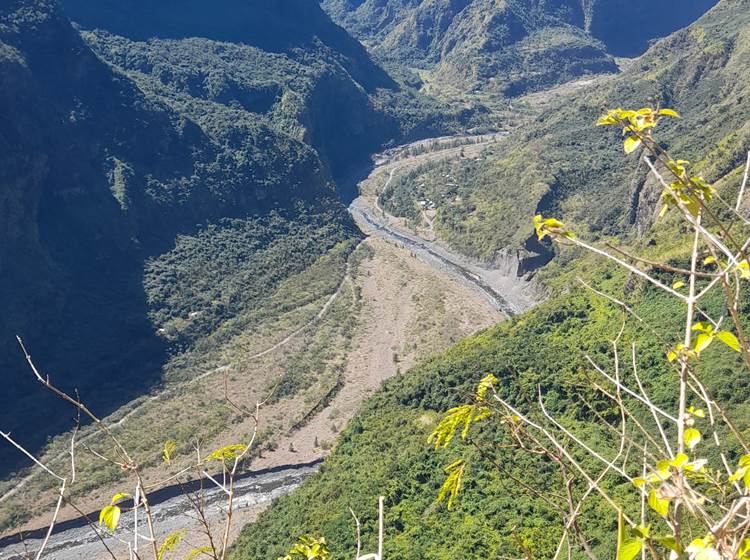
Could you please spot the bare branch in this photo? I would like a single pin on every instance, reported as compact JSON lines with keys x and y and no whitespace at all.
{"x":741,"y":194}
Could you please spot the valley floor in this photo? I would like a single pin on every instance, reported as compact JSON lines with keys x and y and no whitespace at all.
{"x":407,"y":300}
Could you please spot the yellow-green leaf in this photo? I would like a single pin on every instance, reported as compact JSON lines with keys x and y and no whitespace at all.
{"x":744,"y":550}
{"x":692,"y":437}
{"x":631,"y":144}
{"x":110,"y":517}
{"x":702,"y":341}
{"x":669,"y":113}
{"x":226,"y":453}
{"x":630,"y":549}
{"x":677,"y":285}
{"x":738,"y":474}
{"x":485,"y":385}
{"x":659,"y":505}
{"x":669,"y":542}
{"x":452,"y":485}
{"x":729,"y":339}
{"x":679,"y":460}
{"x":196,"y":552}
{"x":169,"y":447}
{"x":119,"y":497}
{"x":170,"y":543}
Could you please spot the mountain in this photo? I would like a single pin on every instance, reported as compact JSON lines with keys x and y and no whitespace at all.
{"x":512,"y":46}
{"x":559,"y":164}
{"x":701,"y":71}
{"x":165,"y":167}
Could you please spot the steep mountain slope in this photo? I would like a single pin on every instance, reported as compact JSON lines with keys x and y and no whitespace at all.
{"x":107,"y":176}
{"x":704,"y":71}
{"x":511,"y":46}
{"x":300,"y":71}
{"x":560,"y":164}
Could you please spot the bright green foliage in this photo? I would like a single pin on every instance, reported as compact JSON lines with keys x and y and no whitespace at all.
{"x":169,"y":448}
{"x":452,"y":485}
{"x":707,"y":335}
{"x":743,"y":471}
{"x":109,"y":516}
{"x":308,"y":548}
{"x":659,"y":505}
{"x":198,"y":552}
{"x":634,"y":123}
{"x":692,"y":437}
{"x":628,"y":545}
{"x":462,"y":417}
{"x":551,"y":227}
{"x":227,"y":453}
{"x":170,"y":543}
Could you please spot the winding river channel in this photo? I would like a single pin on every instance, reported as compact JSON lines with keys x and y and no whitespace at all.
{"x":78,"y":538}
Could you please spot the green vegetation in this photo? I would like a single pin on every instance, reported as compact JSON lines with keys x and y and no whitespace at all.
{"x":508,"y":47}
{"x":503,"y":507}
{"x":560,"y":165}
{"x":514,"y":46}
{"x":385,"y":450}
{"x":153,"y":166}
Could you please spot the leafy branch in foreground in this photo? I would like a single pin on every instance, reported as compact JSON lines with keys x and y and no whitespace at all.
{"x":231,"y":457}
{"x":694,"y":504}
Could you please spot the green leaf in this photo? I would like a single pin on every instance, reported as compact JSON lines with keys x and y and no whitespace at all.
{"x":630,"y":549}
{"x":169,"y":447}
{"x":659,"y":505}
{"x":452,"y":485}
{"x":204,"y":550}
{"x":702,"y":341}
{"x":631,"y":144}
{"x":692,"y":437}
{"x":669,"y":542}
{"x":729,"y":339}
{"x":110,"y":517}
{"x":119,"y":497}
{"x":227,"y":453}
{"x":170,"y":543}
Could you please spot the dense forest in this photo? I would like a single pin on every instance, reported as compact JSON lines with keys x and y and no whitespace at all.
{"x":116,"y":141}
